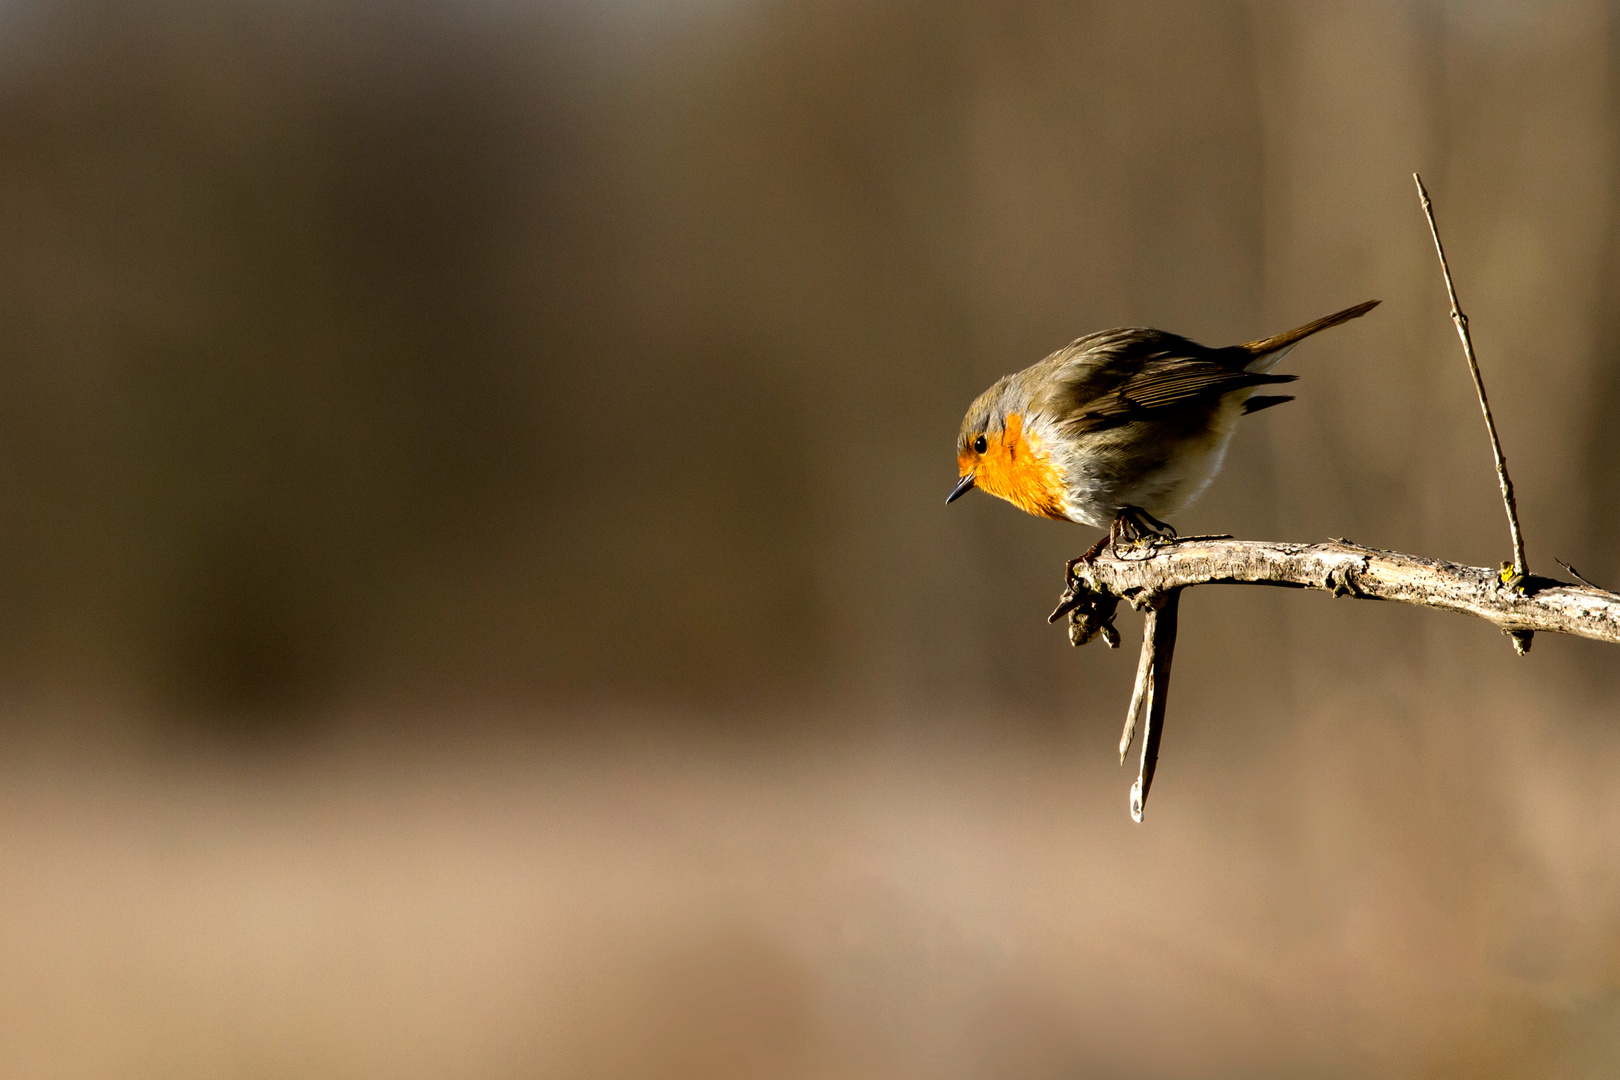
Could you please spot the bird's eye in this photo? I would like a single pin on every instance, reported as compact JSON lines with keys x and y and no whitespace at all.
{"x":979,"y":444}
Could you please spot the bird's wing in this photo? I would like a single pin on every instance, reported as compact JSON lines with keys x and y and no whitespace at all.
{"x":1118,"y":376}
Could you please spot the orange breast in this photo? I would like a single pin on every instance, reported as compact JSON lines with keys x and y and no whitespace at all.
{"x":1015,"y":468}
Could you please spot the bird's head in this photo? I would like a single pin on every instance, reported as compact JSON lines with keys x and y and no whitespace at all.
{"x":1001,"y":450}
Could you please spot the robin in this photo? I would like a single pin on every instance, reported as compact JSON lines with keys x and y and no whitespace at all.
{"x":1121,"y":427}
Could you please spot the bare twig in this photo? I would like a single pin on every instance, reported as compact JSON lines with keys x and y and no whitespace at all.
{"x":1158,"y":650}
{"x":1144,"y":684}
{"x":1152,"y":580}
{"x":1520,"y":568}
{"x":1576,"y":574}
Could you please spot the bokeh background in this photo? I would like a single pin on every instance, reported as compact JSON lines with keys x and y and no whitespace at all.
{"x":477,"y":597}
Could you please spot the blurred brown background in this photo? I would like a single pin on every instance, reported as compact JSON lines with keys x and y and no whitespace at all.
{"x":477,"y":597}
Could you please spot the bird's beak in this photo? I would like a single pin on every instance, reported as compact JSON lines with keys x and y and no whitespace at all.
{"x":963,"y":486}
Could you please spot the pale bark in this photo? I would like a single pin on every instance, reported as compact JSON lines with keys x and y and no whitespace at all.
{"x":1151,"y":576}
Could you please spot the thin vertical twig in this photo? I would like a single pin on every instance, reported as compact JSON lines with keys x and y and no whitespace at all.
{"x":1520,"y":569}
{"x":1158,"y":649}
{"x":1144,"y":684}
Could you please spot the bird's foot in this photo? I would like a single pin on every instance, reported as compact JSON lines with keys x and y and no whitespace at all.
{"x":1090,"y":556}
{"x":1134,"y":529}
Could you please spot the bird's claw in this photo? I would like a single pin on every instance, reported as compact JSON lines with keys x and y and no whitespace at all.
{"x":1135,"y":530}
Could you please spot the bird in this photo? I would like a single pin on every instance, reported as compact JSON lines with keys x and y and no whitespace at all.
{"x":1121,"y":428}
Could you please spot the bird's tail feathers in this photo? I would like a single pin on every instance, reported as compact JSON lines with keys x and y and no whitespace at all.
{"x":1264,"y":401}
{"x":1270,"y":350}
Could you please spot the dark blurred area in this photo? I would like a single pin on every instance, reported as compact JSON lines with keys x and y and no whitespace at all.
{"x":477,"y":597}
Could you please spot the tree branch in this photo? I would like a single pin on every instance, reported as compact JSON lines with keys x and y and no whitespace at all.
{"x":1341,"y":568}
{"x":1151,"y":577}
